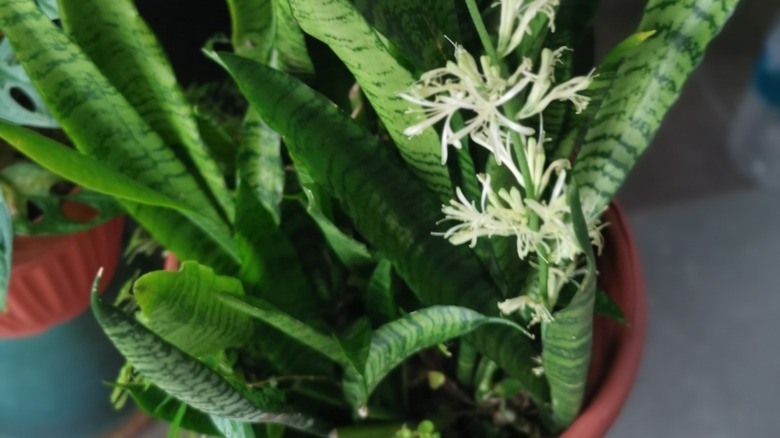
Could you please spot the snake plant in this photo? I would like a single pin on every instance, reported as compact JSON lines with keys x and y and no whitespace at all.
{"x":405,"y":242}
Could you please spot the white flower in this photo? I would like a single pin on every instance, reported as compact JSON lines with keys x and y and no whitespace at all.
{"x":539,"y":312}
{"x":462,"y":85}
{"x":516,"y":17}
{"x":541,"y":95}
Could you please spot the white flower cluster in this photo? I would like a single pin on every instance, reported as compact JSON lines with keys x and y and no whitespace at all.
{"x":480,"y":92}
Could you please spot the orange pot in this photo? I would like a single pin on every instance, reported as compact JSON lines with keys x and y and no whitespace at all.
{"x":617,"y":349}
{"x":52,"y":276}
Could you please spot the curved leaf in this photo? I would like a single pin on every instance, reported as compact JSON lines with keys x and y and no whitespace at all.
{"x":155,"y":402}
{"x":266,"y":312}
{"x":566,"y":341}
{"x":183,"y":308}
{"x":420,"y":29}
{"x":648,"y":83}
{"x":125,"y":50}
{"x":253,"y":28}
{"x":388,"y":205}
{"x":71,"y":165}
{"x":396,"y":341}
{"x":381,"y":78}
{"x":189,"y":380}
{"x":92,"y":112}
{"x":290,"y":42}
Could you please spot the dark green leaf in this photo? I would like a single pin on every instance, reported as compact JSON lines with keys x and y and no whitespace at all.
{"x":295,"y":329}
{"x":71,"y":165}
{"x":381,"y":78}
{"x":155,"y":402}
{"x":420,"y":29}
{"x":125,"y":50}
{"x":290,"y":42}
{"x":357,"y":344}
{"x":189,"y":380}
{"x":253,"y":27}
{"x":396,"y":341}
{"x":387,"y":204}
{"x":380,"y":298}
{"x":93,"y":113}
{"x":604,"y":306}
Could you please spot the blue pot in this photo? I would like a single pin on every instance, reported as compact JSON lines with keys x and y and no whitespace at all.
{"x":51,"y":385}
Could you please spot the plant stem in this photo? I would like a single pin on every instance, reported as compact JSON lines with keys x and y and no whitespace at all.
{"x":482,"y":31}
{"x":510,"y":109}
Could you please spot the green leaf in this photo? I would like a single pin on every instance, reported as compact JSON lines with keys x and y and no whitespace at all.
{"x":184,"y":309}
{"x":6,"y":251}
{"x":396,"y":341}
{"x":14,"y":81}
{"x":380,"y":298}
{"x":155,"y":402}
{"x":604,"y":306}
{"x":253,"y":27}
{"x":351,"y":252}
{"x":603,"y":79}
{"x":420,"y":29}
{"x":125,"y":50}
{"x":290,"y":42}
{"x":260,"y":165}
{"x":71,"y":165}
{"x":648,"y":83}
{"x":356,"y":344}
{"x":191,"y":381}
{"x":566,"y":341}
{"x":233,"y":428}
{"x":98,"y":119}
{"x":388,"y":205}
{"x":305,"y":334}
{"x":220,"y":145}
{"x":381,"y":78}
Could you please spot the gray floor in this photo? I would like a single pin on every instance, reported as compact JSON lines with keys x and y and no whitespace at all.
{"x":709,"y":244}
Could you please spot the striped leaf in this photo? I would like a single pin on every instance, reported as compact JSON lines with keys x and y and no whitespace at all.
{"x":98,"y":119}
{"x":184,"y":309}
{"x":603,"y":79}
{"x":339,"y":25}
{"x":162,"y":406}
{"x":388,"y":205}
{"x":396,"y":341}
{"x":420,"y":29}
{"x":71,"y":165}
{"x":566,"y":341}
{"x":6,"y":251}
{"x":290,"y":42}
{"x":123,"y":48}
{"x":260,"y":165}
{"x":648,"y":83}
{"x":191,"y":381}
{"x":294,"y":328}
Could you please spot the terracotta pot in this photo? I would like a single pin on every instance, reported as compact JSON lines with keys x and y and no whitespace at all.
{"x":617,"y":349}
{"x":52,"y":276}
